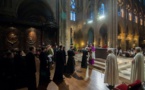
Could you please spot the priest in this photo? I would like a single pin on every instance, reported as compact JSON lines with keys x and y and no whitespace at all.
{"x":111,"y":71}
{"x":137,"y":69}
{"x":58,"y":75}
{"x":84,"y":58}
{"x":71,"y":62}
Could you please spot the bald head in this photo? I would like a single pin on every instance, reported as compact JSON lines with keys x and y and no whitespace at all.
{"x":138,"y":49}
{"x":110,"y":50}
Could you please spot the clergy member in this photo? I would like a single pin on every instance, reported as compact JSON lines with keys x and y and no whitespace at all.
{"x":71,"y":61}
{"x":31,"y":68}
{"x":84,"y":58}
{"x":58,"y":75}
{"x":137,"y":69}
{"x":111,"y":71}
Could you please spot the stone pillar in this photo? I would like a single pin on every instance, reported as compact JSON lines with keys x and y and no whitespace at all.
{"x":64,"y":23}
{"x":67,"y":30}
{"x":112,"y":23}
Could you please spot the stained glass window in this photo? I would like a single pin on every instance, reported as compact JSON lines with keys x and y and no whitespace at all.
{"x":73,"y":5}
{"x":102,"y":10}
{"x":91,"y":12}
{"x":119,"y":12}
{"x":72,"y":12}
{"x":72,"y":16}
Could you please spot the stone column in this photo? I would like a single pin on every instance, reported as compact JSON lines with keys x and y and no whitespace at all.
{"x":64,"y":22}
{"x":112,"y":23}
{"x":67,"y":30}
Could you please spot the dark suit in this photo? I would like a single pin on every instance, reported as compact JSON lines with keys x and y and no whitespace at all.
{"x":31,"y":70}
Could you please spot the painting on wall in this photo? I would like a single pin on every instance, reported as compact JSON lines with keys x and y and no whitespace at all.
{"x":32,"y":37}
{"x":12,"y":37}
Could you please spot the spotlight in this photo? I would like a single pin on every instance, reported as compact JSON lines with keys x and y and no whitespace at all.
{"x":90,"y":21}
{"x":101,"y":17}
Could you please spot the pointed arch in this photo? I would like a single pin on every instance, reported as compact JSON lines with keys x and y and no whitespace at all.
{"x":91,"y":35}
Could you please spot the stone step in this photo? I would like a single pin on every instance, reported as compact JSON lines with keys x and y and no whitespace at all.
{"x":127,"y":78}
{"x":126,"y":72}
{"x":100,"y":63}
{"x":122,"y":63}
{"x":99,"y":66}
{"x":124,"y":66}
{"x":100,"y":60}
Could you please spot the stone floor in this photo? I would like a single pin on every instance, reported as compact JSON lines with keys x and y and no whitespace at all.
{"x":124,"y":66}
{"x":82,"y":79}
{"x":92,"y":77}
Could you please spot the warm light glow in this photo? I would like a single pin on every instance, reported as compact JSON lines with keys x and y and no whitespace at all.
{"x":141,"y":22}
{"x":122,"y":13}
{"x":128,"y":38}
{"x":12,"y":28}
{"x":136,"y":19}
{"x":135,"y":39}
{"x":82,"y":44}
{"x":120,"y":37}
{"x":94,"y":43}
{"x":130,"y":16}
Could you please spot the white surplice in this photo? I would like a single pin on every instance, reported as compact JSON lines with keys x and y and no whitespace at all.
{"x":111,"y":71}
{"x":137,"y":68}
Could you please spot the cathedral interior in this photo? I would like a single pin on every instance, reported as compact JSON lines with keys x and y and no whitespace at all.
{"x":118,"y":24}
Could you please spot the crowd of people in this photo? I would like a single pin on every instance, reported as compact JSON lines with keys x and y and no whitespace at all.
{"x":111,"y":68}
{"x":127,"y":53}
{"x":19,"y":70}
{"x":88,"y":55}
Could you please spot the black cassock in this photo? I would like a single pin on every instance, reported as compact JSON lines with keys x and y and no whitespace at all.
{"x":84,"y":59}
{"x":58,"y":75}
{"x":31,"y":70}
{"x":64,"y":57}
{"x":20,"y":70}
{"x":70,"y":62}
{"x":44,"y":68}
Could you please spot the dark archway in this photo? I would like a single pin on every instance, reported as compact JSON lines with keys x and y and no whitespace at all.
{"x":119,"y":36}
{"x":119,"y":29}
{"x":103,"y":33}
{"x":35,"y":11}
{"x":91,"y":36}
{"x":38,"y":14}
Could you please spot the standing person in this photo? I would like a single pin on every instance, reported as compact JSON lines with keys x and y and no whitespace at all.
{"x":137,"y":69}
{"x":84,"y":58}
{"x":55,"y":50}
{"x":50,"y":53}
{"x":111,"y":71}
{"x":20,"y":69}
{"x":64,"y":57}
{"x":92,"y":54}
{"x":9,"y":74}
{"x":44,"y":68}
{"x":31,"y":68}
{"x":71,"y":61}
{"x":58,"y":75}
